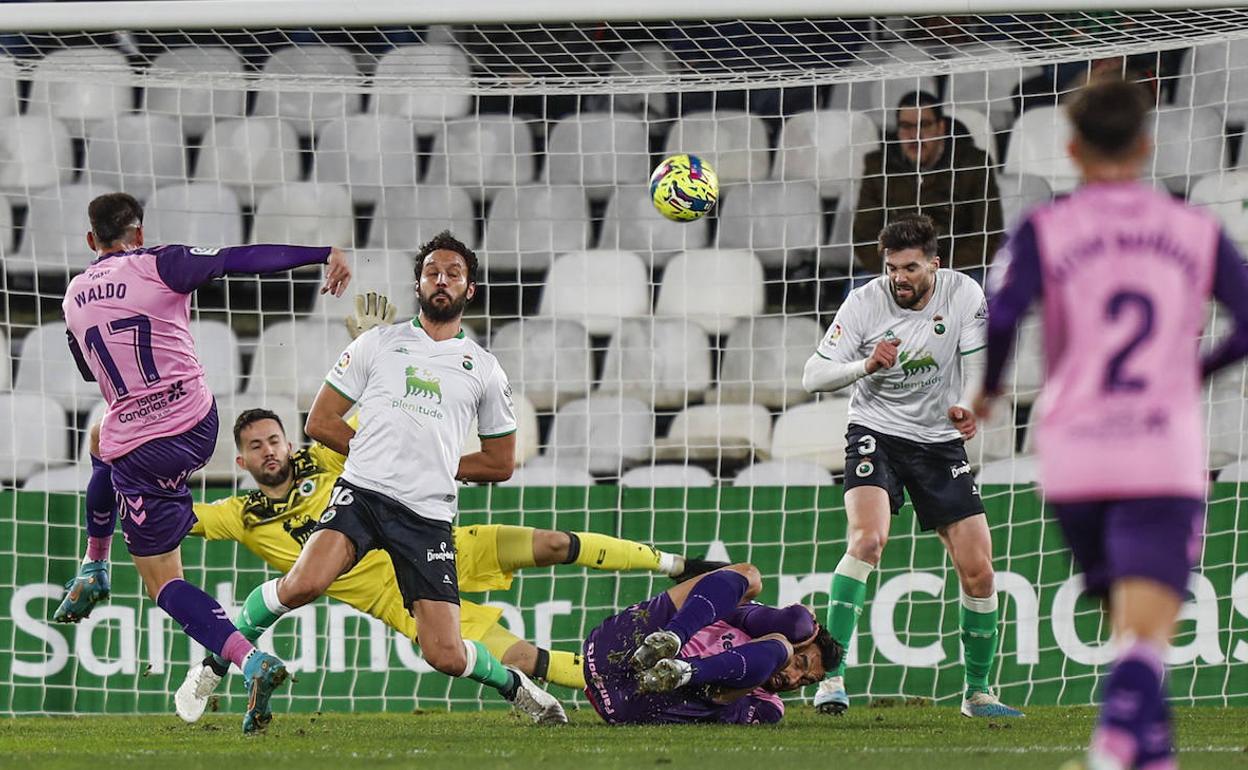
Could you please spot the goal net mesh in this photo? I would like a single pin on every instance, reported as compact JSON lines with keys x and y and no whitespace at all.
{"x":656,"y":366}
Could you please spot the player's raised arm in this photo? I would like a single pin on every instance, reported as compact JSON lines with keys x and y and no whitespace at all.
{"x":1230,"y":287}
{"x":1020,"y":287}
{"x":839,"y":361}
{"x":185,"y":269}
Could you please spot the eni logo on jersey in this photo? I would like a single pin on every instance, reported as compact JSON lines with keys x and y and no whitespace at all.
{"x":917,"y":363}
{"x":427,"y":385}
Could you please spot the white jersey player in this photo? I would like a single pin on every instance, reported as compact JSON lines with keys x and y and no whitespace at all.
{"x":910,"y":344}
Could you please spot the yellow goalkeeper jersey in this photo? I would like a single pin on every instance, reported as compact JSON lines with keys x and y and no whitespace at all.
{"x":275,"y":530}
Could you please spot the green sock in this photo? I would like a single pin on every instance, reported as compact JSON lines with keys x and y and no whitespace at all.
{"x":979,"y":639}
{"x":261,"y":609}
{"x":486,"y":669}
{"x":849,"y":593}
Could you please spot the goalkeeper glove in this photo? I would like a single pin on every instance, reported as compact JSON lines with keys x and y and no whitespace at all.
{"x":371,"y":310}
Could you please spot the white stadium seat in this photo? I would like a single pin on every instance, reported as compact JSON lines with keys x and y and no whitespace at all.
{"x":35,"y":152}
{"x":1019,"y":194}
{"x":10,"y":74}
{"x":529,"y":225}
{"x":305,"y":214}
{"x":781,"y":222}
{"x":632,"y":224}
{"x":1024,"y":374}
{"x":444,"y":67}
{"x":293,"y":357}
{"x":1022,"y":469}
{"x":1227,"y":428}
{"x":392,"y":273}
{"x":80,"y":86}
{"x":814,"y":432}
{"x":712,"y":288}
{"x":764,"y":359}
{"x":987,"y":91}
{"x":221,"y":468}
{"x":735,"y":143}
{"x":407,"y":217}
{"x":6,"y":363}
{"x":135,"y":154}
{"x":546,"y":472}
{"x":526,"y":432}
{"x":607,"y":433}
{"x":281,"y":97}
{"x":596,"y":288}
{"x":977,"y":127}
{"x":994,"y":438}
{"x":667,"y":476}
{"x":368,"y":153}
{"x":197,"y":214}
{"x":219,"y":354}
{"x":250,"y":155}
{"x":55,"y":237}
{"x":664,"y":362}
{"x":1038,"y":146}
{"x":878,"y":98}
{"x":784,"y":473}
{"x":546,"y":359}
{"x":32,"y":435}
{"x":197,"y":106}
{"x":63,"y":478}
{"x":598,"y":151}
{"x":644,"y":61}
{"x":46,"y":366}
{"x":483,"y":154}
{"x":1224,"y":195}
{"x":96,"y":415}
{"x":711,"y":432}
{"x":1206,"y":79}
{"x":827,"y":146}
{"x":1187,"y":143}
{"x":7,"y":231}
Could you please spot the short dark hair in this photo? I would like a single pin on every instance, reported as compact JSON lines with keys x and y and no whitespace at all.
{"x":250,"y":416}
{"x":830,"y":651}
{"x":922,"y":100}
{"x":446,"y":241}
{"x":1110,"y":115}
{"x":112,"y":215}
{"x":909,"y":231}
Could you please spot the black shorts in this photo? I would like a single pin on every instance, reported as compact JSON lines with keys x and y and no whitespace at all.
{"x":937,"y":476}
{"x":423,"y":550}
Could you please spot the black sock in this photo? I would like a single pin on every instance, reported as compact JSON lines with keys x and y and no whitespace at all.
{"x":542,"y":667}
{"x":509,"y":692}
{"x":574,"y":548}
{"x":218,"y":668}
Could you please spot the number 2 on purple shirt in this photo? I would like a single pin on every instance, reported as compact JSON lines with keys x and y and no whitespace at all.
{"x":1117,"y":380}
{"x":141,"y":343}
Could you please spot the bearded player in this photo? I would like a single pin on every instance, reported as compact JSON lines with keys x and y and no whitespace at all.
{"x":910,"y":344}
{"x":127,"y":319}
{"x":703,"y":651}
{"x":1125,"y":275}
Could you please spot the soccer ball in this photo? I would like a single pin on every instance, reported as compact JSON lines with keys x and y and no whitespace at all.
{"x":684,"y":188}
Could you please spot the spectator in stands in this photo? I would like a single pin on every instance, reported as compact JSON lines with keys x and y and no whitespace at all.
{"x":927,"y":167}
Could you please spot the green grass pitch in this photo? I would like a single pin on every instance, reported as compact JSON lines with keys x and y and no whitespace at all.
{"x":896,"y":737}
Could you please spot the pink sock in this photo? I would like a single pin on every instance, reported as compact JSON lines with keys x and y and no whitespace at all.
{"x":236,"y":649}
{"x":98,"y":548}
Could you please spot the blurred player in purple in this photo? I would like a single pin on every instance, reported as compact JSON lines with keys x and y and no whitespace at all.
{"x":128,"y":318}
{"x":704,"y":652}
{"x":1123,"y":273}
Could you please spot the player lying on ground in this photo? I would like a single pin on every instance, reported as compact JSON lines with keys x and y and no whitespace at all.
{"x":707,"y":654}
{"x":128,"y":324}
{"x":1126,"y":274}
{"x":910,"y":344}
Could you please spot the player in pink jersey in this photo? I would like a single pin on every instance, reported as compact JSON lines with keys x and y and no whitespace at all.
{"x":708,"y":653}
{"x":128,"y":319}
{"x":1124,"y":274}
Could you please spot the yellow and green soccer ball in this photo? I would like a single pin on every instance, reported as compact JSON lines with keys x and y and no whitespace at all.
{"x":684,"y":188}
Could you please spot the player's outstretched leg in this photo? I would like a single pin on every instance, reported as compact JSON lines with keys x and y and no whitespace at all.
{"x":264,"y":674}
{"x":712,"y":597}
{"x":849,"y":594}
{"x":520,"y":547}
{"x":91,"y":585}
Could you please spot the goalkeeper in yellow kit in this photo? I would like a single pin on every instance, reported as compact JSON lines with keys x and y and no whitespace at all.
{"x":275,"y":521}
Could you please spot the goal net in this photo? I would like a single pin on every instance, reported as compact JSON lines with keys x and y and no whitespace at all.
{"x":656,"y":365}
